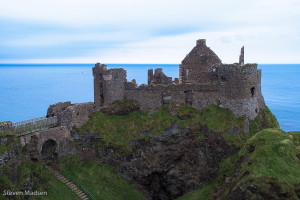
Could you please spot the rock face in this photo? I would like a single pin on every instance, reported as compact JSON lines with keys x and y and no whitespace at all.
{"x":12,"y":150}
{"x":167,"y":166}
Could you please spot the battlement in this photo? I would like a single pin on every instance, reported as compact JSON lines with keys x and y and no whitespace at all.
{"x":203,"y":80}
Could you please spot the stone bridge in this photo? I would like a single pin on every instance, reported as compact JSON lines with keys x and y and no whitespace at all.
{"x":48,"y":143}
{"x":48,"y":137}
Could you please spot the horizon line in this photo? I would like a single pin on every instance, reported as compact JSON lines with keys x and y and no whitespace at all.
{"x":133,"y":63}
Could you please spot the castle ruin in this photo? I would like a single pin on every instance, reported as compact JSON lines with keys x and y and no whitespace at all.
{"x":203,"y":80}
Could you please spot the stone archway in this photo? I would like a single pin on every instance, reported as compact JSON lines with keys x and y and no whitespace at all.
{"x":48,"y":152}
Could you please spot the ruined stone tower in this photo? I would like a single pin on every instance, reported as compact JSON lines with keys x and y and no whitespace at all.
{"x":109,"y":85}
{"x":197,"y":66}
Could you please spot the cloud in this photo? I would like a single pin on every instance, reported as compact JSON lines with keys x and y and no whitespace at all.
{"x":147,"y":31}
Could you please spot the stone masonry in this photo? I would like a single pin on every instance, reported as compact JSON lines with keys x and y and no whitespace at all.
{"x":71,"y":115}
{"x":5,"y":127}
{"x":198,"y":65}
{"x":203,"y":80}
{"x":241,"y":60}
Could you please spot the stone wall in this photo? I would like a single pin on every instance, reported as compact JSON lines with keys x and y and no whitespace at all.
{"x":240,"y":89}
{"x":159,"y":77}
{"x":152,"y":97}
{"x":55,"y":109}
{"x":259,"y":96}
{"x":148,"y":97}
{"x":76,"y":115}
{"x":60,"y":135}
{"x":114,"y":85}
{"x":5,"y":127}
{"x":236,"y":87}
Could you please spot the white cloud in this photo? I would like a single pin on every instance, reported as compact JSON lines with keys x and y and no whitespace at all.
{"x":269,"y":29}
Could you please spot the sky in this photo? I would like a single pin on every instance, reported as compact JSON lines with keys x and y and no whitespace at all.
{"x":148,"y":31}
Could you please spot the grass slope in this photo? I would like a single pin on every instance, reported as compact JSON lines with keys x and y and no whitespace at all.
{"x":102,"y":180}
{"x":266,"y":166}
{"x":43,"y":181}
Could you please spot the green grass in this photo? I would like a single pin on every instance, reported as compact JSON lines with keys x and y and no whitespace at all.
{"x":274,"y":156}
{"x":101,"y":180}
{"x":5,"y":134}
{"x":43,"y":181}
{"x":7,"y":147}
{"x":272,"y":162}
{"x":119,"y":131}
{"x":220,"y":119}
{"x":265,"y":119}
{"x":55,"y":189}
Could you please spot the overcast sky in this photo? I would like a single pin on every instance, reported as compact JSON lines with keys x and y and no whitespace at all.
{"x":142,"y":31}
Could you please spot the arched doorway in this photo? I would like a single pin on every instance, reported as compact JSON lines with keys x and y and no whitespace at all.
{"x":48,"y":152}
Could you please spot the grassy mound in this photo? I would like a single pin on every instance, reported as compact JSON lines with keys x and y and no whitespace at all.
{"x":101,"y":180}
{"x":119,"y":131}
{"x":267,"y":166}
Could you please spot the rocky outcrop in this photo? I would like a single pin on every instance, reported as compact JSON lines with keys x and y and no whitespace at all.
{"x":168,"y":166}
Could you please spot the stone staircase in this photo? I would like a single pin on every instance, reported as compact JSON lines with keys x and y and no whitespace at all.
{"x":71,"y":185}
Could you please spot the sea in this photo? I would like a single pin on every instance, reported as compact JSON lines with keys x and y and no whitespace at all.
{"x":27,"y":90}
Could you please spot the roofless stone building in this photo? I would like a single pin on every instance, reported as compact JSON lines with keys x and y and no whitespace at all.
{"x":203,"y":80}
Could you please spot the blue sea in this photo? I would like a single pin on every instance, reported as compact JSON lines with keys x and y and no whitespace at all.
{"x":27,"y":90}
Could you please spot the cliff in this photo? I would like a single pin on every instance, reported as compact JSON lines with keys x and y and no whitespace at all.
{"x":177,"y":152}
